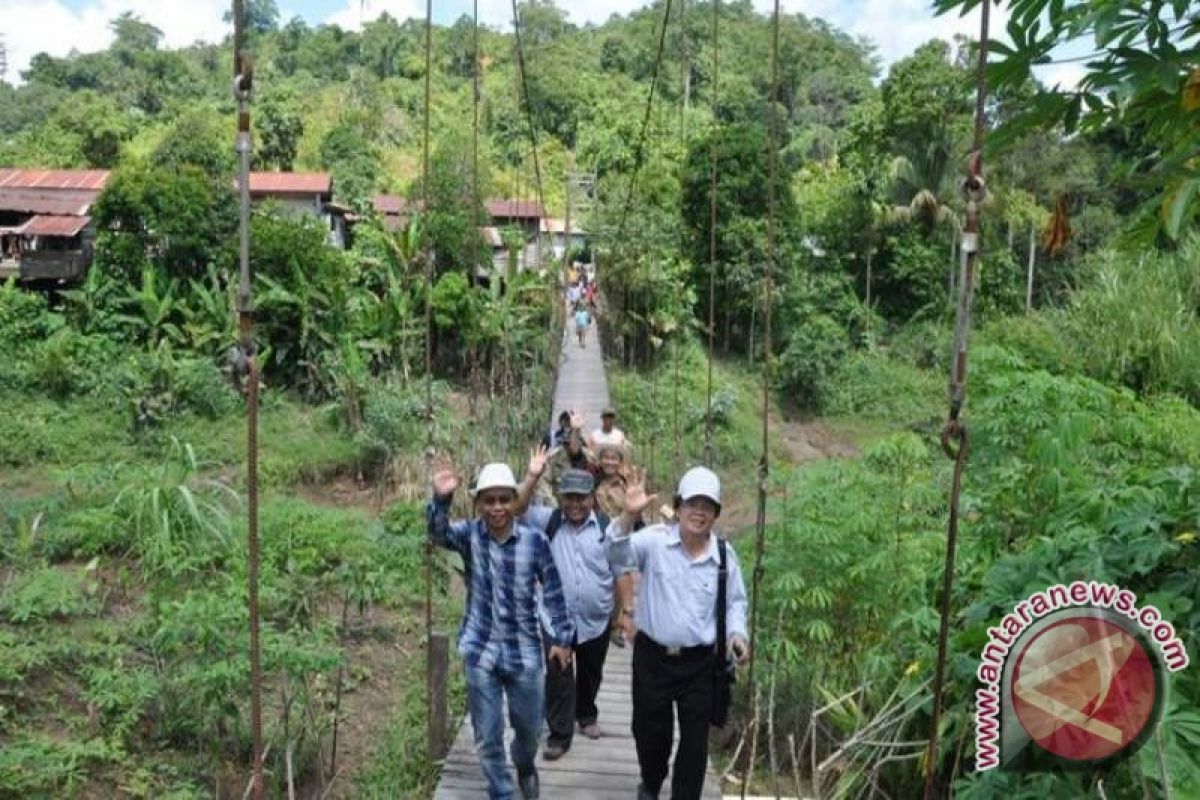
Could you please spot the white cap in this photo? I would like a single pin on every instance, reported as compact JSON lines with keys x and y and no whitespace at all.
{"x":495,"y":476}
{"x":700,"y":482}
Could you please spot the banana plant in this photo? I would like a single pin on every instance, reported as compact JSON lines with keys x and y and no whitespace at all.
{"x":209,"y":323}
{"x":150,"y":311}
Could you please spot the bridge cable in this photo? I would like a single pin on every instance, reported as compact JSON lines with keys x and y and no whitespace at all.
{"x":524,"y":90}
{"x":684,"y":69}
{"x":430,"y":416}
{"x":712,"y":230}
{"x":640,"y":149}
{"x":954,"y":436}
{"x":243,"y":81}
{"x":764,"y":464}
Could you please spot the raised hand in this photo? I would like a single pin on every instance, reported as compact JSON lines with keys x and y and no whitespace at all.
{"x":636,"y":499}
{"x":445,"y":479}
{"x":537,"y":460}
{"x":577,"y":419}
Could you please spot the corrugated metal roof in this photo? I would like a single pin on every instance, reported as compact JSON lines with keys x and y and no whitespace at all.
{"x":394,"y":204}
{"x":46,"y":225}
{"x":46,"y":201}
{"x":91,"y":180}
{"x":291,"y":183}
{"x":516,"y":209}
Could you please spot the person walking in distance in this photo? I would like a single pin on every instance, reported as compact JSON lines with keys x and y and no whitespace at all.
{"x":582,"y":319}
{"x":608,"y":433}
{"x":508,"y":566}
{"x":690,"y":610}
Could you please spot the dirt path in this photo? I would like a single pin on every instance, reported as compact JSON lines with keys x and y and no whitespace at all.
{"x":812,"y":441}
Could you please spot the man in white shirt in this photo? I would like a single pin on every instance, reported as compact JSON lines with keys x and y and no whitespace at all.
{"x":674,"y":626}
{"x":578,"y":540}
{"x":608,"y":433}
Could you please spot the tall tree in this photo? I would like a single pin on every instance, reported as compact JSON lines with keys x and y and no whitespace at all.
{"x":1143,"y":75}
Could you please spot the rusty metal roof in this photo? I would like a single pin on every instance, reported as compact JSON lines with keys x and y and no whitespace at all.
{"x":291,"y":183}
{"x":516,"y":209}
{"x":395,"y":204}
{"x":91,"y":180}
{"x":47,"y":225}
{"x":46,"y":201}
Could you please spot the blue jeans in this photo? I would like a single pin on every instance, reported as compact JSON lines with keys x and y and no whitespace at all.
{"x":486,"y":689}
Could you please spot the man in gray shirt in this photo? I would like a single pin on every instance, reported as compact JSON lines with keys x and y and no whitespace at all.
{"x":673,"y":625}
{"x":578,"y":541}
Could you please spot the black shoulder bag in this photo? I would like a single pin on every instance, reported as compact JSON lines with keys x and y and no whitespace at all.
{"x":723,"y":671}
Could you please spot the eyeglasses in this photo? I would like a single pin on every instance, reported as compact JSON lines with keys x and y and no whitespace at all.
{"x":700,"y":505}
{"x":494,"y":500}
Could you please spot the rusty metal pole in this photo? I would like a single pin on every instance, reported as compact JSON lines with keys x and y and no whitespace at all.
{"x":955,"y":437}
{"x":243,"y":81}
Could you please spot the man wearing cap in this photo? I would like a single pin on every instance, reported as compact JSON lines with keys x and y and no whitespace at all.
{"x":508,"y":565}
{"x":608,"y":433}
{"x":578,"y":540}
{"x":674,"y":625}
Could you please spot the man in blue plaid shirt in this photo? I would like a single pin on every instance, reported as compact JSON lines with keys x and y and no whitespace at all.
{"x":508,"y":566}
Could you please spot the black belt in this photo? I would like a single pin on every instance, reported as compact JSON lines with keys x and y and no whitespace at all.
{"x":698,"y":651}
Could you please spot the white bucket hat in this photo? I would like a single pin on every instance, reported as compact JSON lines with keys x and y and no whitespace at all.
{"x":495,"y":476}
{"x":700,"y":482}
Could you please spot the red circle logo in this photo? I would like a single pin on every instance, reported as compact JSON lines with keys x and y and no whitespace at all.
{"x":1084,"y":688}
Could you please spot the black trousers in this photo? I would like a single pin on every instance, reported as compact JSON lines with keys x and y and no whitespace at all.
{"x":571,"y":692}
{"x":663,"y":685}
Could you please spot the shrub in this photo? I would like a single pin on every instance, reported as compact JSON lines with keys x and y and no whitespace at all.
{"x":1040,"y":339}
{"x":871,"y":385}
{"x":86,"y":533}
{"x":809,"y":359}
{"x":48,"y":593}
{"x":38,"y":766}
{"x":70,"y":363}
{"x":1136,"y":322}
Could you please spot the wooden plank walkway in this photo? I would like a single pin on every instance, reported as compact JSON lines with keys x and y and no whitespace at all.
{"x":581,"y":381}
{"x":593,"y":769}
{"x":599,"y":769}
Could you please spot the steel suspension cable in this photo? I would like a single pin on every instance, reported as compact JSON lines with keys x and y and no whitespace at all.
{"x":684,"y":70}
{"x":639,"y":150}
{"x":243,"y":82}
{"x":427,"y":258}
{"x":524,"y":89}
{"x":712,"y":229}
{"x":764,"y":463}
{"x":955,"y":438}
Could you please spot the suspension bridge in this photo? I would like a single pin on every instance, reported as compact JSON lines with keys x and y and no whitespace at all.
{"x":607,"y":767}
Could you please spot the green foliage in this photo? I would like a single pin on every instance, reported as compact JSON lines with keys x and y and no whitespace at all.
{"x":181,"y":522}
{"x":39,"y":766}
{"x":874,"y":386}
{"x":1141,"y":79}
{"x":178,"y":218}
{"x":809,"y":359}
{"x":1038,"y":338}
{"x":48,"y":593}
{"x":1136,"y":322}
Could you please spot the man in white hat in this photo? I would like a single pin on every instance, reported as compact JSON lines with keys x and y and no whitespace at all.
{"x":507,"y":566}
{"x":674,"y":625}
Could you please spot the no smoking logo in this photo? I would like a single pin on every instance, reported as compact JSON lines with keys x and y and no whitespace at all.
{"x":1084,"y":688}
